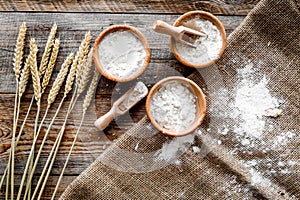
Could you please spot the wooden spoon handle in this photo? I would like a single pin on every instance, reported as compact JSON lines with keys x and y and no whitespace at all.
{"x":165,"y":28}
{"x":104,"y":121}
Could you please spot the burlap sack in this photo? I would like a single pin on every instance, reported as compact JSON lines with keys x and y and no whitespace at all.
{"x":269,"y":40}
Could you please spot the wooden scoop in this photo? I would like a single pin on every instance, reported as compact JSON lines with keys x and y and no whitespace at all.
{"x":181,"y":34}
{"x":123,"y":104}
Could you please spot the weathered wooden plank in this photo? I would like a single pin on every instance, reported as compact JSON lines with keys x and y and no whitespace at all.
{"x":48,"y":189}
{"x":226,"y":7}
{"x":71,"y":29}
{"x":90,"y":144}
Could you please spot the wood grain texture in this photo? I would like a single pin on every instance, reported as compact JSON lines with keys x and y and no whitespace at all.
{"x":225,"y":7}
{"x":49,"y":186}
{"x":71,"y":29}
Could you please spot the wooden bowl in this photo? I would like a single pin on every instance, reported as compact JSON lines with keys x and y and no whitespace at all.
{"x":204,"y":15}
{"x":200,"y":105}
{"x":113,"y":29}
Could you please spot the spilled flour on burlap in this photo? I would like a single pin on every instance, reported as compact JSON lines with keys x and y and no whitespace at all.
{"x":247,"y":113}
{"x":252,"y":100}
{"x":171,"y":150}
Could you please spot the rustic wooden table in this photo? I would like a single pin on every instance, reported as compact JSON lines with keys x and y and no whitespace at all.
{"x":74,"y":19}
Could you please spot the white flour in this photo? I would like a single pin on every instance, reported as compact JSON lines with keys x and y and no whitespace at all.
{"x":250,"y":110}
{"x":171,"y":150}
{"x":139,"y":91}
{"x":252,"y":101}
{"x":207,"y":48}
{"x":173,"y":106}
{"x":121,"y":54}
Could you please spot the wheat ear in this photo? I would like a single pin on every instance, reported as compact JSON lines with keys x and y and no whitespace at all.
{"x":51,"y":98}
{"x":86,"y":73}
{"x":49,"y":70}
{"x":91,"y":91}
{"x":34,"y":71}
{"x":83,"y":52}
{"x":86,"y":104}
{"x":19,"y":50}
{"x":59,"y":80}
{"x":25,"y":75}
{"x":71,"y":76}
{"x":47,"y":51}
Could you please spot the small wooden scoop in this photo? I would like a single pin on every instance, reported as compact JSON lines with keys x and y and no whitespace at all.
{"x":123,"y":104}
{"x":181,"y":34}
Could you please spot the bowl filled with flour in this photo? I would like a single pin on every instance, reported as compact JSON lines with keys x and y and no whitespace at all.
{"x":176,"y":106}
{"x":121,"y":53}
{"x":207,"y":49}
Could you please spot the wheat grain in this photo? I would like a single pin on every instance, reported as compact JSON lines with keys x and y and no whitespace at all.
{"x":51,"y":65}
{"x":24,"y":76}
{"x":18,"y":56}
{"x":86,"y":73}
{"x":91,"y":91}
{"x":71,"y":75}
{"x":83,"y":52}
{"x":47,"y":51}
{"x":34,"y":70}
{"x":60,"y":79}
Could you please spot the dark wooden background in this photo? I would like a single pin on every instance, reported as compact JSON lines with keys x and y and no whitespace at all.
{"x":74,"y":19}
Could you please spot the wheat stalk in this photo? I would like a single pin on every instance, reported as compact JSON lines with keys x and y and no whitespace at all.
{"x":83,"y":83}
{"x":47,"y":77}
{"x":37,"y":95}
{"x":47,"y":51}
{"x":86,"y":104}
{"x":18,"y":57}
{"x":37,"y":92}
{"x":56,"y":141}
{"x":45,"y":82}
{"x":22,"y":86}
{"x":17,"y":140}
{"x":48,"y":74}
{"x":51,"y":98}
{"x":79,"y":83}
{"x":51,"y":65}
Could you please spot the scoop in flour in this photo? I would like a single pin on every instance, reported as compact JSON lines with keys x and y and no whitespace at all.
{"x":123,"y":104}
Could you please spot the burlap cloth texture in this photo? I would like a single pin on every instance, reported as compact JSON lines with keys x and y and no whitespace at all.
{"x":269,"y":40}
